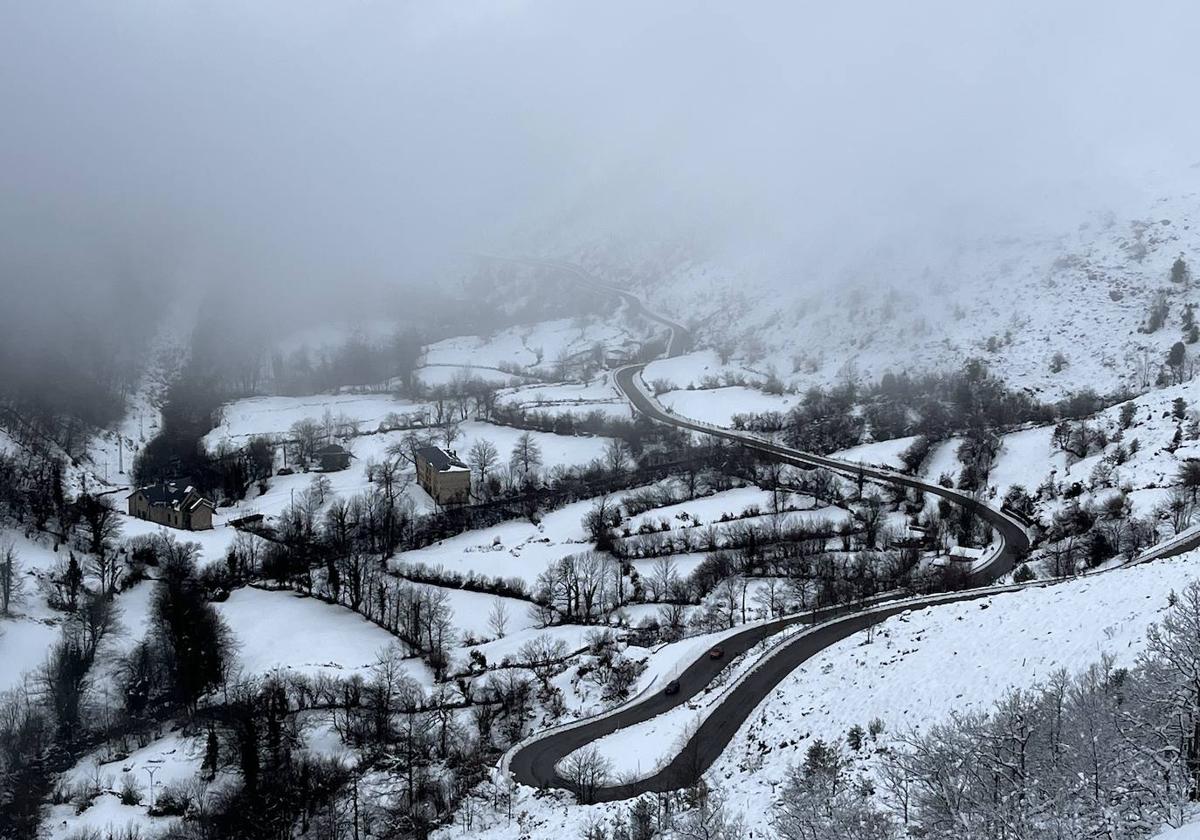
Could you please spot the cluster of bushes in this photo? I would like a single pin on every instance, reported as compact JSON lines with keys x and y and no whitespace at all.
{"x":594,"y":423}
{"x":1086,"y":534}
{"x":746,"y":536}
{"x":472,"y":581}
{"x":934,"y":406}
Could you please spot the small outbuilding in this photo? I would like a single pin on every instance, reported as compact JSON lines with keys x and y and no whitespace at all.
{"x":963,"y":554}
{"x":333,"y":457}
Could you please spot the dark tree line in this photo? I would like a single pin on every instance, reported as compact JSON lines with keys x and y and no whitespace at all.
{"x":935,"y":406}
{"x":356,"y":362}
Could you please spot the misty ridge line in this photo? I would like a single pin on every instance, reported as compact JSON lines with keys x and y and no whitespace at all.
{"x":212,"y":141}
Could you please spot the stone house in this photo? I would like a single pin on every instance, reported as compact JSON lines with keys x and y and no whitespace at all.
{"x":443,"y":476}
{"x":174,"y":503}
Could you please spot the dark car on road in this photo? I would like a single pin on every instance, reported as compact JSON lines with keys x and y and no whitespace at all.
{"x":716,"y":653}
{"x":672,"y":687}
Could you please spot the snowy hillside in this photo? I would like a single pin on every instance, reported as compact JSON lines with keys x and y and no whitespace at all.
{"x":1015,"y":301}
{"x":914,"y":671}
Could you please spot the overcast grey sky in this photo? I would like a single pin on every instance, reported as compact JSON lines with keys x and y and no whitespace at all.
{"x":278,"y":141}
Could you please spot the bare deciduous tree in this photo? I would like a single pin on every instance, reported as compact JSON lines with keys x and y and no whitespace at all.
{"x":616,"y":455}
{"x":1179,"y":508}
{"x":586,"y":771}
{"x":663,"y":577}
{"x":11,"y":582}
{"x":498,"y":617}
{"x":526,"y":457}
{"x":482,"y":457}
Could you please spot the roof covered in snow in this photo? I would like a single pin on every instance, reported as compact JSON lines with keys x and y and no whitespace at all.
{"x":440,"y":459}
{"x":173,"y":493}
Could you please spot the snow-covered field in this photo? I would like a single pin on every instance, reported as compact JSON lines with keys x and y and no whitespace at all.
{"x":705,"y":508}
{"x":27,"y":634}
{"x":697,"y":369}
{"x":574,"y":636}
{"x":683,"y":564}
{"x":885,"y":453}
{"x":564,"y":450}
{"x":942,"y":460}
{"x":24,"y":642}
{"x":472,"y":611}
{"x":598,"y":394}
{"x":534,"y":345}
{"x":252,"y":416}
{"x":1191,"y":831}
{"x":283,"y":630}
{"x":443,"y":375}
{"x":1026,"y":458}
{"x":514,"y":549}
{"x":719,"y":405}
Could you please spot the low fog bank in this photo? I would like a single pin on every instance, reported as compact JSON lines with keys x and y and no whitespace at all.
{"x":315,"y":160}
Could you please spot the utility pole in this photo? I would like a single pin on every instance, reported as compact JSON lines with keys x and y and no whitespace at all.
{"x":151,"y":771}
{"x":356,"y":777}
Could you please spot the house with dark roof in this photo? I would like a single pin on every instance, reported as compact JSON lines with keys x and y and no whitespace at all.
{"x":333,"y":457}
{"x":174,"y":503}
{"x":443,"y":476}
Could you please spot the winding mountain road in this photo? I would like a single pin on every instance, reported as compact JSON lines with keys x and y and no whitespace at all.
{"x":534,"y":761}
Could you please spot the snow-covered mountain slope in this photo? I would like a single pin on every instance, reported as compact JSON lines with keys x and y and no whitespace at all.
{"x":922,"y":667}
{"x":1084,"y":291}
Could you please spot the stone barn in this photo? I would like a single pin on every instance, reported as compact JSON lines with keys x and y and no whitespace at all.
{"x":333,"y":457}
